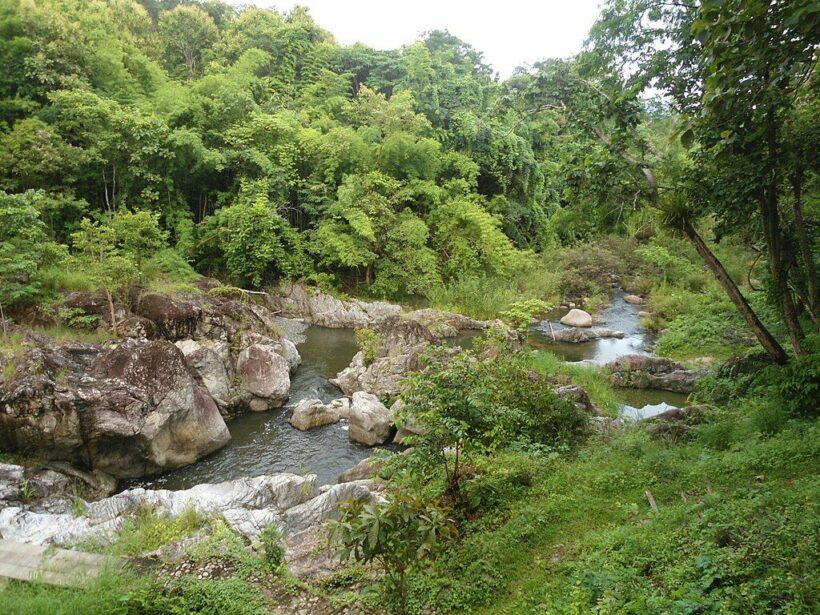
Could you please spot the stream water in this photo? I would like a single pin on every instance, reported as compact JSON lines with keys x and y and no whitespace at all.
{"x":620,"y":316}
{"x":264,"y":442}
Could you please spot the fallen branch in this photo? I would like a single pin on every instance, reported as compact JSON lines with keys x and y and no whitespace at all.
{"x":649,"y":497}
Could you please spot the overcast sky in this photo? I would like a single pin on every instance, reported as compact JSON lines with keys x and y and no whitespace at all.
{"x":509,"y":32}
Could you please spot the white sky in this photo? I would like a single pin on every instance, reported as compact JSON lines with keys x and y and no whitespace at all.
{"x":510,"y":33}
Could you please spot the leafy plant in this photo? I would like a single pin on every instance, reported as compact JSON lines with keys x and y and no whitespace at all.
{"x":399,"y":535}
{"x":370,"y":343}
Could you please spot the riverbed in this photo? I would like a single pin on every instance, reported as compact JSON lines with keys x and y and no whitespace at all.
{"x":620,"y":316}
{"x":264,"y":442}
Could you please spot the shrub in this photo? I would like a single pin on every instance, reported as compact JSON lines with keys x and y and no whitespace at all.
{"x":397,"y":534}
{"x":272,"y":548}
{"x":370,"y":343}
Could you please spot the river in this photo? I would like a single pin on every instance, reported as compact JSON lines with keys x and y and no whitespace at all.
{"x":264,"y":442}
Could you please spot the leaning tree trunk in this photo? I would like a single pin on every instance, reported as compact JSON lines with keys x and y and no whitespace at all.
{"x":766,"y":339}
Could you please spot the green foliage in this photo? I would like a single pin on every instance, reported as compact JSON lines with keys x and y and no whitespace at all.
{"x":399,"y":535}
{"x":272,"y":546}
{"x":521,"y":314}
{"x":146,"y":531}
{"x":24,"y":248}
{"x":258,"y":244}
{"x":370,"y":343}
{"x":467,"y":408}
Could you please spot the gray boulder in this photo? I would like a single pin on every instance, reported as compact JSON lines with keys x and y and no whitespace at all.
{"x":310,"y":413}
{"x":577,"y":318}
{"x":264,"y":377}
{"x":370,"y":421}
{"x":574,"y":335}
{"x":647,"y":372}
{"x":128,"y":411}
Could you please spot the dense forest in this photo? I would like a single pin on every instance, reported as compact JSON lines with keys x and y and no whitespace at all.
{"x":146,"y":144}
{"x":250,"y":145}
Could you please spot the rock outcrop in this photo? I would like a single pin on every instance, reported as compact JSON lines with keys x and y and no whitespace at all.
{"x":295,"y":300}
{"x":146,"y":405}
{"x":370,"y":420}
{"x":577,"y":318}
{"x":647,"y":372}
{"x":128,"y":411}
{"x":402,"y":343}
{"x":248,"y":505}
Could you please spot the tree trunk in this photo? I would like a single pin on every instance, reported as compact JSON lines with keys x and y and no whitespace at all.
{"x":770,"y":219}
{"x":805,"y":246}
{"x":110,"y":298}
{"x":766,"y":339}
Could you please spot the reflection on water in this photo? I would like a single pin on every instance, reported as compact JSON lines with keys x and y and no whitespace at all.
{"x":646,"y":403}
{"x":264,"y":442}
{"x":619,"y":315}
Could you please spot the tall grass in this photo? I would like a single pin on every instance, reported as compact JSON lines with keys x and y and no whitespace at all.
{"x":486,"y":297}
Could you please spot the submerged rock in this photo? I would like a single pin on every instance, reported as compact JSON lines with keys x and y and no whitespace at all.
{"x":647,"y":372}
{"x":577,"y":318}
{"x":575,"y":335}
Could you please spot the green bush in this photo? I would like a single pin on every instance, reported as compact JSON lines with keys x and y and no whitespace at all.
{"x":145,"y":530}
{"x":370,"y":343}
{"x":272,"y":546}
{"x":170,"y":266}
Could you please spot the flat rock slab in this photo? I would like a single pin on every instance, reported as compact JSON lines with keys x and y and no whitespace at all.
{"x":27,"y":562}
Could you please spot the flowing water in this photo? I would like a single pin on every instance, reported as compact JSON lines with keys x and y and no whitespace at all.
{"x":264,"y":442}
{"x":620,"y":316}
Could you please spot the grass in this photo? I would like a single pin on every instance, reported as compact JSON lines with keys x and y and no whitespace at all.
{"x":735,"y":531}
{"x":145,"y":530}
{"x":591,"y":379}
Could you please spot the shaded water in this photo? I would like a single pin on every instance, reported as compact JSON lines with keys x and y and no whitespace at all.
{"x":264,"y":442}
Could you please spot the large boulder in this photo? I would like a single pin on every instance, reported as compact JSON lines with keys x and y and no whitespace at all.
{"x":151,"y":413}
{"x":370,"y":421}
{"x":634,"y":299}
{"x":577,"y":318}
{"x":446,"y":324}
{"x":310,"y":413}
{"x":176,"y":317}
{"x":647,"y":372}
{"x":264,"y":377}
{"x":212,"y":361}
{"x":129,"y":411}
